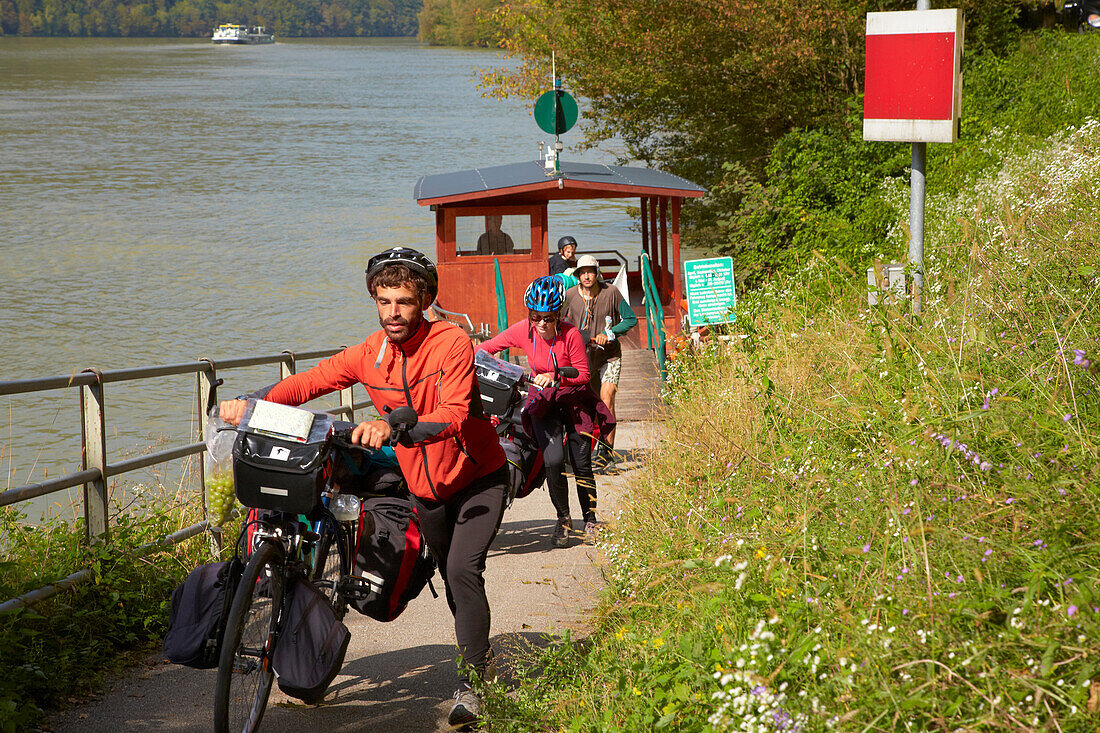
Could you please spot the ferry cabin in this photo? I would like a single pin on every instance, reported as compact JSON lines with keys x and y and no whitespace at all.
{"x":464,"y":201}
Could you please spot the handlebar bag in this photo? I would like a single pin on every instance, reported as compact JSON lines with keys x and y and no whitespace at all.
{"x":497,"y":381}
{"x":273,"y":473}
{"x":200,"y":605}
{"x":394,"y":564}
{"x":310,"y":651}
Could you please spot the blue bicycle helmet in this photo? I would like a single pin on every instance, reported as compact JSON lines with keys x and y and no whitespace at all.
{"x":545,"y":295}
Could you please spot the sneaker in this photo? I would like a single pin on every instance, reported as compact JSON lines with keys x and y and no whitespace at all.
{"x":466,"y":710}
{"x":591,"y":530}
{"x":561,"y":533}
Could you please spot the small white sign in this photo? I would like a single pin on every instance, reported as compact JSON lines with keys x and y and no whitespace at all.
{"x":889,"y":281}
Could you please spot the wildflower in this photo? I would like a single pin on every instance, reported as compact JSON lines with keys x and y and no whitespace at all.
{"x":1080,"y":360}
{"x":911,"y":483}
{"x":867,"y":547}
{"x":1071,"y":610}
{"x":1067,"y":417}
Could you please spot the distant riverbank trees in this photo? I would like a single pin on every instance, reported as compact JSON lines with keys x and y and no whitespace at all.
{"x":196,"y":18}
{"x":459,"y":23}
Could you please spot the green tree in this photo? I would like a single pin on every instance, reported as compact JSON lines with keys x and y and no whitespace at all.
{"x":693,"y":84}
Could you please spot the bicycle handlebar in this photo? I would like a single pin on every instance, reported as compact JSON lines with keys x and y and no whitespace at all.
{"x":401,"y":421}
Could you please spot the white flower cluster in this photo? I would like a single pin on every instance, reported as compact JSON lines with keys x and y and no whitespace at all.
{"x":745,"y":702}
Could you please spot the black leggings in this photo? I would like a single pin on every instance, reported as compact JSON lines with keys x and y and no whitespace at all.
{"x":554,"y":438}
{"x":459,"y":532}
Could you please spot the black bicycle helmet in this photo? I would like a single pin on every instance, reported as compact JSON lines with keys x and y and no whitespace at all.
{"x":410,"y":258}
{"x":545,"y":295}
{"x":566,"y":240}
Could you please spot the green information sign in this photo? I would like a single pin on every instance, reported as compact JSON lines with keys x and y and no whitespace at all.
{"x":711,"y":295}
{"x":555,"y":112}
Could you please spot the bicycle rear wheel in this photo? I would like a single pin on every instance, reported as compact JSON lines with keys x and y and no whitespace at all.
{"x":331,"y":564}
{"x":245,"y":673}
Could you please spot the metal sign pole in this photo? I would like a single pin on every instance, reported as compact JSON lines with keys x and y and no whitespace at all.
{"x":916,"y":209}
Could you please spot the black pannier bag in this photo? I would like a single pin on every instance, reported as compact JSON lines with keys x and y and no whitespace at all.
{"x":394,"y":564}
{"x":311,"y":648}
{"x":273,"y":473}
{"x":200,"y":605}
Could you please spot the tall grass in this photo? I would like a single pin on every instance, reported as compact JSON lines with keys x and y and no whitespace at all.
{"x":867,"y":521}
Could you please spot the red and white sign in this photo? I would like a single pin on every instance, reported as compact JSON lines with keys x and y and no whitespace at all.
{"x":913,"y":81}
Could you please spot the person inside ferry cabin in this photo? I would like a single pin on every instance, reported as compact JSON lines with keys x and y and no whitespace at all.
{"x":602,"y":314}
{"x":565,"y":257}
{"x":452,"y":460}
{"x":494,"y":241}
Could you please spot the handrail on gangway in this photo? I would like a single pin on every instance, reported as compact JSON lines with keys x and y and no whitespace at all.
{"x":96,"y":470}
{"x":654,"y":315}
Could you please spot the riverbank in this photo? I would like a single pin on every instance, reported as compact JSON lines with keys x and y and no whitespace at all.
{"x":867,"y":521}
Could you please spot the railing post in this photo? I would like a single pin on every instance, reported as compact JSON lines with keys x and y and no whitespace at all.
{"x":205,"y":382}
{"x":347,"y":402}
{"x":94,"y":455}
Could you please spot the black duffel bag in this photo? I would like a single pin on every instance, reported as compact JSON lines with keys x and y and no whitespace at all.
{"x":312,"y":645}
{"x":273,"y":473}
{"x":200,"y":605}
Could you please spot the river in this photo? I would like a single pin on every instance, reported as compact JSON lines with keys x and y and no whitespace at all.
{"x":162,"y":201}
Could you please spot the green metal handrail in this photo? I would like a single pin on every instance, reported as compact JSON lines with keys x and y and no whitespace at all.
{"x":654,"y":315}
{"x":502,"y":305}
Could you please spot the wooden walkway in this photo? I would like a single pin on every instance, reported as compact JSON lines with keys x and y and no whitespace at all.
{"x":639,"y":393}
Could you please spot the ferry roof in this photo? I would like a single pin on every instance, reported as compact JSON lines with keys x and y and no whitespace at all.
{"x":529,"y":182}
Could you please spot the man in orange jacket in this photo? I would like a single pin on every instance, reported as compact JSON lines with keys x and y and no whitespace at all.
{"x":451,"y":459}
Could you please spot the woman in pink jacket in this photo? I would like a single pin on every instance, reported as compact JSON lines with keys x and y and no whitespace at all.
{"x":560,"y":417}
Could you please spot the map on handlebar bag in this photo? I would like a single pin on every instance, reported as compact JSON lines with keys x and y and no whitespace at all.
{"x":281,"y":421}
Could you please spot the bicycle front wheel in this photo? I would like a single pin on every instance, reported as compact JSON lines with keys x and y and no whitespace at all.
{"x":331,"y":564}
{"x":245,"y":673}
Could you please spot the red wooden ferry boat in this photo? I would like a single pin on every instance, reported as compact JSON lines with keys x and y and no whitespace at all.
{"x":521,"y":194}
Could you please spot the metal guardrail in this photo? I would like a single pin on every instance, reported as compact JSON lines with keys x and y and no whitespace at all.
{"x":96,"y":470}
{"x":654,"y":315}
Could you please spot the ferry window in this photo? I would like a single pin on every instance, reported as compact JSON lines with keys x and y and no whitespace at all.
{"x":494,"y":234}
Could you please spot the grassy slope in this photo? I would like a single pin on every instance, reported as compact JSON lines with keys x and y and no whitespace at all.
{"x":868,"y":522}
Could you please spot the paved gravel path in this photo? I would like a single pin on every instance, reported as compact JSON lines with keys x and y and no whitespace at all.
{"x":399,"y":676}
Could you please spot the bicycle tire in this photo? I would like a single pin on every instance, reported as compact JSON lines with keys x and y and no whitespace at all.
{"x":331,"y":565}
{"x":245,"y":674}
